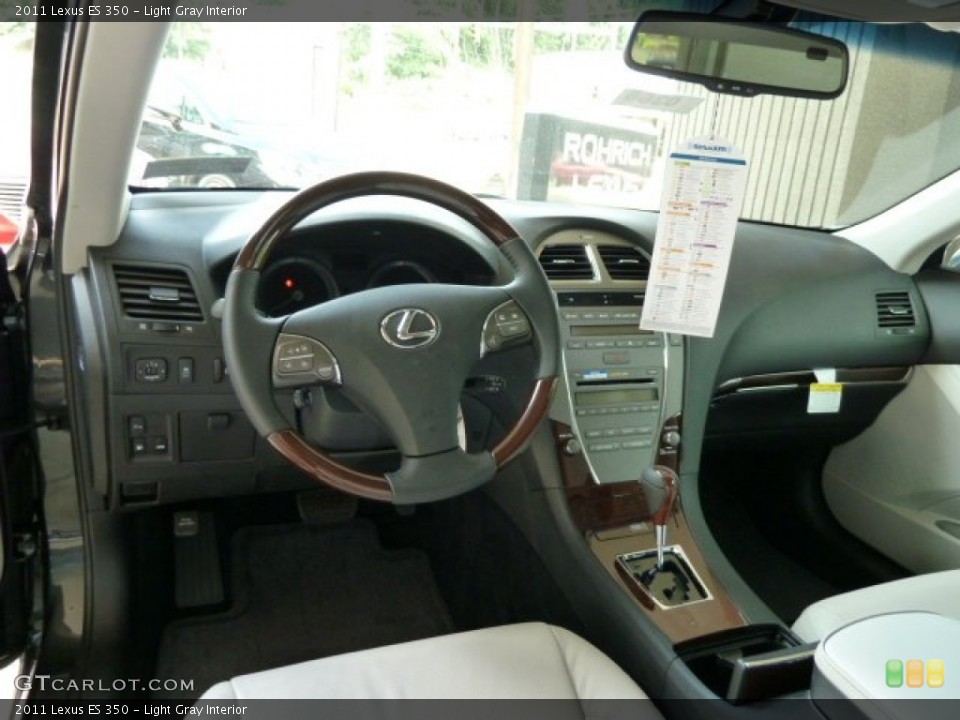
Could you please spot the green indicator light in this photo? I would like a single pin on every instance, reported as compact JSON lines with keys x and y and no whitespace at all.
{"x":894,"y":673}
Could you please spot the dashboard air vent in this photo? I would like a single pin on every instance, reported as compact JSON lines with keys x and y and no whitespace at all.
{"x":624,"y":263}
{"x":154,"y":293}
{"x":566,"y":262}
{"x":894,"y":310}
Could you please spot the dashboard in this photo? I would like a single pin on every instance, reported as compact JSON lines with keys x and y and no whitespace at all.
{"x":147,"y":320}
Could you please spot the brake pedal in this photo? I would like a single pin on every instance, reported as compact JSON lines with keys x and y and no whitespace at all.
{"x":199,"y":580}
{"x":326,"y":506}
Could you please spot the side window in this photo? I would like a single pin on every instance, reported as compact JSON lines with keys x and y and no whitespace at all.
{"x":16,"y":59}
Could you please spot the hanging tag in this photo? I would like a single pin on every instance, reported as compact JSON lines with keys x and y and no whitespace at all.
{"x":703,"y":194}
{"x":826,"y":394}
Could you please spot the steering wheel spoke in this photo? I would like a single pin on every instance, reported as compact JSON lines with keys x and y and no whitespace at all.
{"x":422,"y":479}
{"x":402,"y":353}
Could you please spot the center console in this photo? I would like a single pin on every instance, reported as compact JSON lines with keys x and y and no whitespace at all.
{"x":616,"y":420}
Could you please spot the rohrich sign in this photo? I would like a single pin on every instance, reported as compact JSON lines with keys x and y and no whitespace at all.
{"x":560,"y":151}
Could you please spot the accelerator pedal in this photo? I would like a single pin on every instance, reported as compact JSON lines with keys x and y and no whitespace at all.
{"x":199,"y":580}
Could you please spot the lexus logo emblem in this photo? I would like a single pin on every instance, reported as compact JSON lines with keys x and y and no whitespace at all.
{"x":410,"y":328}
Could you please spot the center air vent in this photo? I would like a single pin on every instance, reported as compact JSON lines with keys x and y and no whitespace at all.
{"x":152,"y":293}
{"x":894,"y":310}
{"x":566,"y":262}
{"x":624,"y":263}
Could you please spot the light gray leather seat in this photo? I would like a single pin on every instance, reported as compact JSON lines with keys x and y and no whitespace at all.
{"x":531,"y":660}
{"x":934,"y":592}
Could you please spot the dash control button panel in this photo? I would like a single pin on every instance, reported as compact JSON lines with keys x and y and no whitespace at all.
{"x":506,"y":326}
{"x":151,"y":370}
{"x":303,"y":361}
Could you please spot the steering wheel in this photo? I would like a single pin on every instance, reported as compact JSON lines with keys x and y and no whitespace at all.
{"x":402,"y":353}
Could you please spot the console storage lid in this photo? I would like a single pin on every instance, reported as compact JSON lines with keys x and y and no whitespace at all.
{"x":896,"y":656}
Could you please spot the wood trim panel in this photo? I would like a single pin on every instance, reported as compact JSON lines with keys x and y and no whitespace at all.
{"x":613,"y":519}
{"x":679,"y":623}
{"x":595,"y":507}
{"x":850,"y":376}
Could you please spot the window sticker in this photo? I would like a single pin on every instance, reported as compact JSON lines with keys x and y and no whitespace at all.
{"x":703,"y":194}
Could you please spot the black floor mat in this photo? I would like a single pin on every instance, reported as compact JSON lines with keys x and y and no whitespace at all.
{"x":303,"y":592}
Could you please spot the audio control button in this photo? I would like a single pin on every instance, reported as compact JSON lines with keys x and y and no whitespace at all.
{"x":616,"y":358}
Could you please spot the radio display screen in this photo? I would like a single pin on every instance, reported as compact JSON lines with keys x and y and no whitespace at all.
{"x":624,"y":396}
{"x":605,"y":330}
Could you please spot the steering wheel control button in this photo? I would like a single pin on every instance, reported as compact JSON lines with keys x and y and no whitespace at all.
{"x":514,"y":329}
{"x":293,"y":366}
{"x":507,"y":325}
{"x":303,"y":361}
{"x":151,"y":370}
{"x":409,"y":328}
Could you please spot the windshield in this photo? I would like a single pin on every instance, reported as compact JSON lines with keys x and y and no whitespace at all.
{"x":539,"y":111}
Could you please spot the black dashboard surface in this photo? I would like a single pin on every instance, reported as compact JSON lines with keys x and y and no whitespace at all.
{"x":795,"y":300}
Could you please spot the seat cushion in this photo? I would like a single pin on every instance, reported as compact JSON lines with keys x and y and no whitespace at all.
{"x":934,"y":592}
{"x":531,"y":660}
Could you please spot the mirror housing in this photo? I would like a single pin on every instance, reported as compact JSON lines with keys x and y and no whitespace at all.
{"x":737,"y":57}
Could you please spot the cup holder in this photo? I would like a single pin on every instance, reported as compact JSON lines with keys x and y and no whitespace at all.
{"x":756,"y":662}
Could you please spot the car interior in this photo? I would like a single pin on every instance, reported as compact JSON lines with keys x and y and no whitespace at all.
{"x":390,"y":435}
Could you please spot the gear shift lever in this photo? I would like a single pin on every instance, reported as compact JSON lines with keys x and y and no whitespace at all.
{"x":660,"y":488}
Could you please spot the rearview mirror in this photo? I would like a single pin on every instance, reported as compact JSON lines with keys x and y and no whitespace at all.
{"x":738,"y":57}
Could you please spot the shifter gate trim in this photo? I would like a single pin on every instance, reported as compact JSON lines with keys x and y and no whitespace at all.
{"x":628,"y":574}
